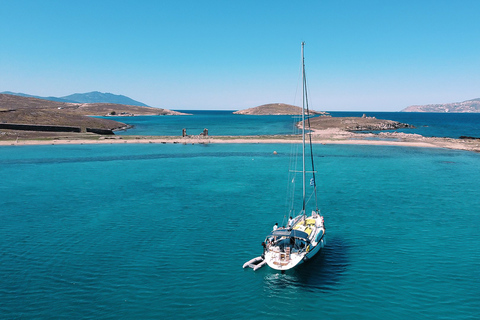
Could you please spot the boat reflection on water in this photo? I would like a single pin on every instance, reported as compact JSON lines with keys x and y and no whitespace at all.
{"x":323,"y":272}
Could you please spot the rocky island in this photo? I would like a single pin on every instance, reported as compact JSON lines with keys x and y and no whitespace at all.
{"x":355,"y":124}
{"x":276,"y":109}
{"x":325,"y":121}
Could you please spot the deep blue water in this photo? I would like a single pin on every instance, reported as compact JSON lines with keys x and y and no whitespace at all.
{"x":161,"y":231}
{"x":452,"y":125}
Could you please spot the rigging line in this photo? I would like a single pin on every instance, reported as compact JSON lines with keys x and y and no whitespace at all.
{"x":293,"y":165}
{"x":310,"y":139}
{"x":297,"y":86}
{"x":310,"y":197}
{"x":303,"y":124}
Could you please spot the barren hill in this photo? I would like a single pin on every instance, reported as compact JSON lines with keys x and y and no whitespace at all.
{"x":88,"y":97}
{"x":275,"y":109}
{"x":33,"y":111}
{"x":8,"y":101}
{"x":103,"y":97}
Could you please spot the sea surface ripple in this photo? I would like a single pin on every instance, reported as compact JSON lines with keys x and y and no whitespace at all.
{"x":162,"y":231}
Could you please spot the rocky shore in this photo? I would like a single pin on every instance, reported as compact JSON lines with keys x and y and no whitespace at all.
{"x":355,"y":124}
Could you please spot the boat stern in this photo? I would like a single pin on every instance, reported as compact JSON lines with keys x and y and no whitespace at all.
{"x":282,"y":261}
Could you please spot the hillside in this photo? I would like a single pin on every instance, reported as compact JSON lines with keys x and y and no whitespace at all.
{"x":469,"y":106}
{"x":38,"y":97}
{"x":52,"y":118}
{"x":99,"y":97}
{"x":275,"y":109}
{"x":32,"y":111}
{"x":88,"y":97}
{"x":94,"y":109}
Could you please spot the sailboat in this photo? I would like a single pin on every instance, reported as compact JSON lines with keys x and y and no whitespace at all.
{"x":304,"y":236}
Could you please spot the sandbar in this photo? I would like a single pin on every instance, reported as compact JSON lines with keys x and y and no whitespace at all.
{"x":327,"y":137}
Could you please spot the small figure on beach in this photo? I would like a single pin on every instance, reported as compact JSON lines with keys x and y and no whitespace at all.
{"x":184,"y":132}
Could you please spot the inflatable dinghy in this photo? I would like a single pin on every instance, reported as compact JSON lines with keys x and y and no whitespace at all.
{"x":255,"y":263}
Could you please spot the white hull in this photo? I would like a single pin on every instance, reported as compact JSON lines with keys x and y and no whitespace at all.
{"x":295,"y":261}
{"x":282,"y":255}
{"x":315,"y":250}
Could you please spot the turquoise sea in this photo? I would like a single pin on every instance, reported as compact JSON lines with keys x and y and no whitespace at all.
{"x":161,"y":231}
{"x":452,"y":125}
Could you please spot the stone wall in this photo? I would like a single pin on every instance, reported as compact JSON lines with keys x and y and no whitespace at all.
{"x":32,"y":127}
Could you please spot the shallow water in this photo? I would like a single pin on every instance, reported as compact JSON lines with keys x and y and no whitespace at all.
{"x":452,"y":125}
{"x":217,"y":122}
{"x":161,"y":231}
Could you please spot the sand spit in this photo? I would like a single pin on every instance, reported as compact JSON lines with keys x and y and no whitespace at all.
{"x":329,"y":136}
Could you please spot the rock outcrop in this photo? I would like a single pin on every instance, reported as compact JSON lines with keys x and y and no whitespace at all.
{"x":355,"y":124}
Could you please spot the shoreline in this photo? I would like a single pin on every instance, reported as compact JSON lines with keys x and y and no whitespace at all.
{"x":318,"y":136}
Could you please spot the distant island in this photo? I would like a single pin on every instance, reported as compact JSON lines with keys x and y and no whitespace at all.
{"x":469,"y":106}
{"x":88,"y":97}
{"x":323,"y":120}
{"x":276,"y":109}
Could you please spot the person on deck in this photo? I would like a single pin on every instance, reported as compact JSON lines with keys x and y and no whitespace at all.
{"x":275,"y":226}
{"x":264,"y":245}
{"x":290,"y":222}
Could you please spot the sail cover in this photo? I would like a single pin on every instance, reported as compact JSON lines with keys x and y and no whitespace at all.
{"x":290,"y":233}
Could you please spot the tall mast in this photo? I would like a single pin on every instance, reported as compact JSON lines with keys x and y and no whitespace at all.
{"x":303,"y":127}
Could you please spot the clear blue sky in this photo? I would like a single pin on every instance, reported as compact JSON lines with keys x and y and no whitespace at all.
{"x":360,"y":55}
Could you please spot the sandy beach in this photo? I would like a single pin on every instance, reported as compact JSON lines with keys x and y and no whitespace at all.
{"x":330,"y":136}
